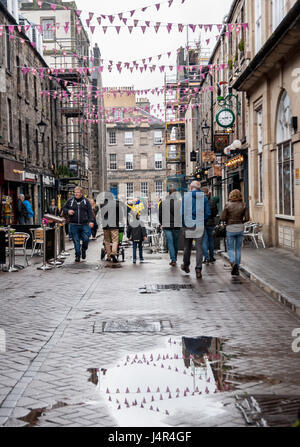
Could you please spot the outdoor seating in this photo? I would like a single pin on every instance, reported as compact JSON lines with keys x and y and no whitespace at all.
{"x":253,"y":232}
{"x":20,"y":241}
{"x":37,"y":240}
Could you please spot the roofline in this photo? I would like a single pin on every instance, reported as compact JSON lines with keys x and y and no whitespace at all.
{"x":292,"y":17}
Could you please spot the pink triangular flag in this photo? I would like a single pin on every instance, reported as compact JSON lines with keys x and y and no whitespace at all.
{"x":157,"y":6}
{"x":104,"y":29}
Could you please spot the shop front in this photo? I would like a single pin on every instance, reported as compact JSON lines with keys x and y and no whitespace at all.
{"x":11,"y":177}
{"x":31,"y":187}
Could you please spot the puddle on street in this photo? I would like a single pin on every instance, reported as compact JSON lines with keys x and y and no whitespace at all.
{"x":33,"y":416}
{"x":148,"y":388}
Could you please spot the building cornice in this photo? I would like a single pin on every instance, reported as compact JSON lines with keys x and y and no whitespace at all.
{"x":252,"y":73}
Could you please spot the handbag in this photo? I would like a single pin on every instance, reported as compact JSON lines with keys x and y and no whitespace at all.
{"x":220,"y":230}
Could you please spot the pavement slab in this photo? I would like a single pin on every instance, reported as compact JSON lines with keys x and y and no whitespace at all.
{"x":55,"y":337}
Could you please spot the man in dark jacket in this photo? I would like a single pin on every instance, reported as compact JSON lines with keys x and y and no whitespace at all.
{"x":81,"y":218}
{"x":208,"y":239}
{"x":170,"y":219}
{"x":21,"y":210}
{"x":195,"y":211}
{"x":113,"y":214}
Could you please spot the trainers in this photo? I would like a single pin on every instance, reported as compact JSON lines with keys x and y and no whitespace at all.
{"x":206,"y":261}
{"x":77,"y":258}
{"x":185,"y":268}
{"x":212,"y":260}
{"x":198,"y":274}
{"x":83,"y":254}
{"x":173,"y":264}
{"x":114,"y":259}
{"x":234,"y":270}
{"x":134,"y":262}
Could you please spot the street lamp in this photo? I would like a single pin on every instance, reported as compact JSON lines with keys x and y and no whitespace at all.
{"x":205,"y":130}
{"x":42,"y":128}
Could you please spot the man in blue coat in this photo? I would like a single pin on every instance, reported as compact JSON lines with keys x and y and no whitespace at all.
{"x":195,"y":213}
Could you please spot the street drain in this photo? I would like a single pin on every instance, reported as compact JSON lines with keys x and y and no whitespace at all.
{"x":155,"y":288}
{"x":269,"y":410}
{"x":81,"y":266}
{"x":134,"y":325}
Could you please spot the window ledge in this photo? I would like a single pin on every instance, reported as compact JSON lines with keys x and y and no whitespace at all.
{"x":259,"y":204}
{"x":283,"y":217}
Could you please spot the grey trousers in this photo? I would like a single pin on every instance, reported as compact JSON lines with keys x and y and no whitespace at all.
{"x":188,"y":243}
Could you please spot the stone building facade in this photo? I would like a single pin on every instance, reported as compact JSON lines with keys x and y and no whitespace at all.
{"x":260,"y":84}
{"x":135,"y":150}
{"x":27,"y":164}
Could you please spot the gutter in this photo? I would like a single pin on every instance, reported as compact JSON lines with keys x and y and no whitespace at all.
{"x":281,"y":31}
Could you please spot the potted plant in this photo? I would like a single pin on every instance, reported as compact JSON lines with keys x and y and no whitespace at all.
{"x":242,"y":47}
{"x":230,"y":64}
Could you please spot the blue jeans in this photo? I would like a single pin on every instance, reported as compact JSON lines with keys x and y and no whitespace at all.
{"x":135,"y":246}
{"x":172,"y":237}
{"x":208,"y":243}
{"x":234,"y":247}
{"x":80,"y":232}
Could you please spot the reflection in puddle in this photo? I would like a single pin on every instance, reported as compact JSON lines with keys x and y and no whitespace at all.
{"x":32,"y":418}
{"x":148,"y":388}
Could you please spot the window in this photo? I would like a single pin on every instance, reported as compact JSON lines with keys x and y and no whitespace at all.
{"x":26,"y":85}
{"x":18,"y":74}
{"x":129,"y":162}
{"x":129,"y":188}
{"x":37,"y":154}
{"x":278,"y":12}
{"x":258,"y":24}
{"x":9,"y":122}
{"x":118,"y":115}
{"x":8,"y":52}
{"x":158,"y":161}
{"x":35,"y":91}
{"x":128,"y":138}
{"x":112,"y":137}
{"x":48,"y":33}
{"x":27,"y":139}
{"x":113,"y":162}
{"x":285,"y":159}
{"x":144,"y":190}
{"x":260,"y":156}
{"x":158,"y":137}
{"x":158,"y":188}
{"x":20,"y":137}
{"x":143,"y":138}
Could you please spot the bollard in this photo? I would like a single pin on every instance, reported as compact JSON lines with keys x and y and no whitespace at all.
{"x":45,"y":266}
{"x":64,"y":252}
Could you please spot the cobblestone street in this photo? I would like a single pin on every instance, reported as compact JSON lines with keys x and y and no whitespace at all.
{"x":55,"y":337}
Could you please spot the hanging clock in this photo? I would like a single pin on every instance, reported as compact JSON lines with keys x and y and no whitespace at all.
{"x":225,"y":118}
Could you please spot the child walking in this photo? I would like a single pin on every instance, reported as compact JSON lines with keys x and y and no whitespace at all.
{"x":137,"y":233}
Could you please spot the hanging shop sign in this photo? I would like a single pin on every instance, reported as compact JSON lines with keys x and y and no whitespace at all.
{"x":208,"y":157}
{"x":48,"y":181}
{"x":235,"y":162}
{"x":221,"y":141}
{"x":225,"y":118}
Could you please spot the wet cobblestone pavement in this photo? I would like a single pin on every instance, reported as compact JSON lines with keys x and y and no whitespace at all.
{"x":67,"y":330}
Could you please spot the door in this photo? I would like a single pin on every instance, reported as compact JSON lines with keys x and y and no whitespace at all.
{"x":114,"y":190}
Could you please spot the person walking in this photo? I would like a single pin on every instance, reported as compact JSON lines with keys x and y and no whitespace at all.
{"x":95,"y":209}
{"x":113,"y":212}
{"x":137,"y":233}
{"x":191,"y":206}
{"x":81,"y":218}
{"x":22,"y":213}
{"x":30,"y":212}
{"x":208,"y":244}
{"x":171,"y":220}
{"x":235,"y":214}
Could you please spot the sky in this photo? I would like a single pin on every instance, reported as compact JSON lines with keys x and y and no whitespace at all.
{"x":128,"y":47}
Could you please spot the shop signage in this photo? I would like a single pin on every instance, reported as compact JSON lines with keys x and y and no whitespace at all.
{"x":48,"y":181}
{"x":297,"y":176}
{"x":218,"y":171}
{"x":221,"y":141}
{"x":73,"y":167}
{"x":30,"y":177}
{"x":208,"y":156}
{"x":11,"y":171}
